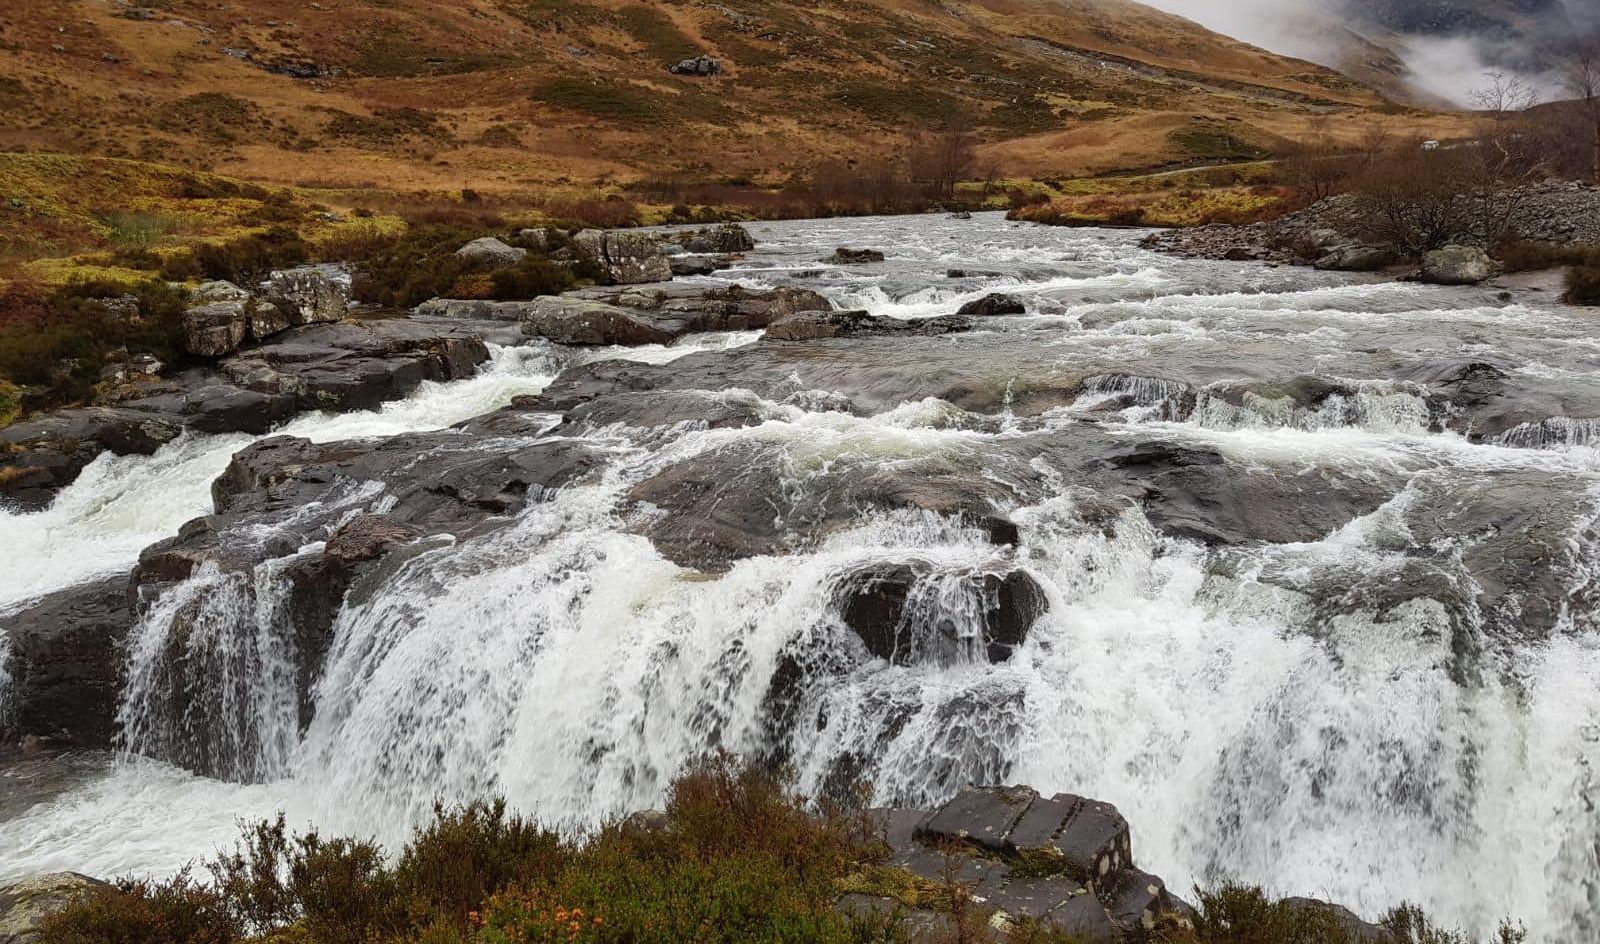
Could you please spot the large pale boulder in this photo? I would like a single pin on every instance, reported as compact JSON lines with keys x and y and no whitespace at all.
{"x":1457,"y":265}
{"x":491,"y":253}
{"x":217,"y":329}
{"x":302,"y":296}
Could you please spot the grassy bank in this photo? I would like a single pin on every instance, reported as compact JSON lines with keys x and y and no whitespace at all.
{"x":733,"y":858}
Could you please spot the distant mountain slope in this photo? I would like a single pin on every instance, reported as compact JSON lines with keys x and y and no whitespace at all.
{"x":517,"y":93}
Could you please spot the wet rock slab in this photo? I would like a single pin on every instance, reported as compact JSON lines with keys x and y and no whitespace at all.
{"x":333,"y":367}
{"x":1064,"y":862}
{"x":631,"y":316}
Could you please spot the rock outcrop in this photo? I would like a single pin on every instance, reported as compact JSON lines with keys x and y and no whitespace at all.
{"x":66,"y":663}
{"x":821,"y":325}
{"x":226,"y":317}
{"x":602,"y":316}
{"x":25,"y":905}
{"x":701,"y":66}
{"x":628,"y":258}
{"x":335,"y":367}
{"x":1064,"y":863}
{"x":42,"y":455}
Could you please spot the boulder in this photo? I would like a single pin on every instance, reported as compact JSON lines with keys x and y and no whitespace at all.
{"x":846,"y":256}
{"x":541,"y":237}
{"x":1457,"y":265}
{"x":66,"y":663}
{"x":208,"y":293}
{"x":25,"y":905}
{"x":961,"y":215}
{"x":1357,"y":258}
{"x":605,"y":316}
{"x":722,"y":240}
{"x":295,"y":297}
{"x":490,"y":253}
{"x":628,"y":258}
{"x":217,"y":329}
{"x":700,"y":66}
{"x":819,"y":325}
{"x":991,"y":305}
{"x":697,"y":265}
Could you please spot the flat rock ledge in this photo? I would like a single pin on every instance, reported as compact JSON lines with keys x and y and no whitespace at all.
{"x":335,"y":367}
{"x":607,"y":316}
{"x":1062,"y":863}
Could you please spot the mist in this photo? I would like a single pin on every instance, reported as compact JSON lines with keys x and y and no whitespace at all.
{"x":1444,"y":67}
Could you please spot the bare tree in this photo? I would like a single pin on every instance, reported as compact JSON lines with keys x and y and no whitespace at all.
{"x":1583,"y":78}
{"x":941,"y":160}
{"x":1505,"y":94}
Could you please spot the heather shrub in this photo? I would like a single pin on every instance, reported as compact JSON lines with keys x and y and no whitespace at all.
{"x":1583,"y":284}
{"x":176,"y":911}
{"x":55,"y":342}
{"x":245,"y":260}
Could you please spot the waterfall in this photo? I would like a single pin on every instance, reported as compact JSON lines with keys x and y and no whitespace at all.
{"x":212,"y":676}
{"x":1552,"y":433}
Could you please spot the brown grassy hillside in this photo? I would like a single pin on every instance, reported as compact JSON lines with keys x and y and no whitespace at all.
{"x":510,"y":95}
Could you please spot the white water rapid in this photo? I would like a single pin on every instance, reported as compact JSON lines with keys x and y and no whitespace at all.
{"x":1294,"y":714}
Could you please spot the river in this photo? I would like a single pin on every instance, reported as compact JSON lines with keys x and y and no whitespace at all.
{"x":1369,"y":671}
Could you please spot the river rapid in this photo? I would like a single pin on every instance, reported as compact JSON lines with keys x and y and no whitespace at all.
{"x":1313,"y":560}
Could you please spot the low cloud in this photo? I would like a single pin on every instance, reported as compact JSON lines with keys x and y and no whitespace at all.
{"x":1449,"y":68}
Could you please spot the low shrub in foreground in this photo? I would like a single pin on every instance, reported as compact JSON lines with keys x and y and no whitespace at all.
{"x":733,"y":858}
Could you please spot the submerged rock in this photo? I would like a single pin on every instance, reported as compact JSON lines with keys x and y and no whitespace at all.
{"x":992,"y":305}
{"x":821,"y":325}
{"x":914,"y":614}
{"x":846,"y":256}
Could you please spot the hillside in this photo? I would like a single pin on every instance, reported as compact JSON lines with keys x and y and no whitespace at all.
{"x":507,"y":95}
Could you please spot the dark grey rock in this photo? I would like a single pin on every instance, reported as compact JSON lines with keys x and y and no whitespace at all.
{"x":846,"y":256}
{"x":821,"y":325}
{"x":991,"y":305}
{"x":66,"y":663}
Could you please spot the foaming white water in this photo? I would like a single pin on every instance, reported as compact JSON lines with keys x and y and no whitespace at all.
{"x":667,"y":353}
{"x":122,"y":504}
{"x":1377,"y":406}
